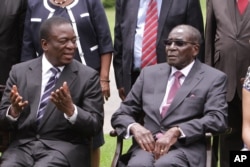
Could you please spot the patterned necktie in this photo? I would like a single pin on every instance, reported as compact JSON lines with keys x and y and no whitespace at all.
{"x":242,"y":5}
{"x":150,"y":35}
{"x":46,"y":94}
{"x":176,"y":85}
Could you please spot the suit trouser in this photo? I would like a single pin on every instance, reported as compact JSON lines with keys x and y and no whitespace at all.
{"x":33,"y":154}
{"x":232,"y":141}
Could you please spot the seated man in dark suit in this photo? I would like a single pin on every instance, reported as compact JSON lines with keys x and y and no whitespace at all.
{"x":181,"y":100}
{"x":51,"y":107}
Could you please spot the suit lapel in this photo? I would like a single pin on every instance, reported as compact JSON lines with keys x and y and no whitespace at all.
{"x":33,"y":77}
{"x":193,"y":78}
{"x":68,"y":75}
{"x":160,"y":81}
{"x":165,"y":7}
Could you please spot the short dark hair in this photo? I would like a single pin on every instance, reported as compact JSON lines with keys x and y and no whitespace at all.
{"x":46,"y":27}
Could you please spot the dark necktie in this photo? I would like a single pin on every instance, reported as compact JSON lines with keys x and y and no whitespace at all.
{"x":46,"y":94}
{"x":150,"y":35}
{"x":242,"y":5}
{"x":176,"y":85}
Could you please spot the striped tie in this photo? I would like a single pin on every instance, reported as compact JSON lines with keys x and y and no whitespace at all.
{"x":150,"y":35}
{"x":46,"y":94}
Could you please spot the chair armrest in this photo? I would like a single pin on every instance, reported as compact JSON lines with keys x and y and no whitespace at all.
{"x":118,"y":149}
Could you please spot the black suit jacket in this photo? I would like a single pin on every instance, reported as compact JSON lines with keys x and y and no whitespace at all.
{"x":173,"y":13}
{"x":54,"y":130}
{"x":12,"y":13}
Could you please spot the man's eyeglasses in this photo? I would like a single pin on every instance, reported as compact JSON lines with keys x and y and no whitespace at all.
{"x":178,"y":42}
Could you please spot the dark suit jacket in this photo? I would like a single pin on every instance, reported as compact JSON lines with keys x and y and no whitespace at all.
{"x":54,"y":130}
{"x":92,"y":26}
{"x":12,"y":13}
{"x":227,"y":44}
{"x":173,"y":13}
{"x":199,"y":106}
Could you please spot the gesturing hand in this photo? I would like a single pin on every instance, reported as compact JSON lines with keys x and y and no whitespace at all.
{"x":143,"y":137}
{"x":62,"y":99}
{"x":17,"y":103}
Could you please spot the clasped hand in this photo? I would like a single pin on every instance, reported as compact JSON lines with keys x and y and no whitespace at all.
{"x":147,"y":142}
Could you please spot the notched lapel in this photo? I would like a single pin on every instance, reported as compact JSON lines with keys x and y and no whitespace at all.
{"x":191,"y":81}
{"x":68,"y":74}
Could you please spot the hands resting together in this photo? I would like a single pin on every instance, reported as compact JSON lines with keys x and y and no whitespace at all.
{"x":158,"y":147}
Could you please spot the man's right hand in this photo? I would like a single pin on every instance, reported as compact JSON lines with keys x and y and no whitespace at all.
{"x":17,"y":103}
{"x":143,"y":137}
{"x":121,"y":92}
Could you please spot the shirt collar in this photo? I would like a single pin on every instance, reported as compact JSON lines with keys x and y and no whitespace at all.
{"x":184,"y":71}
{"x":46,"y":65}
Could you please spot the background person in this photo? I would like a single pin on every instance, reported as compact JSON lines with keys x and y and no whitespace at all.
{"x":52,"y":129}
{"x":227,"y":49}
{"x":132,"y":32}
{"x":12,"y":14}
{"x":173,"y":133}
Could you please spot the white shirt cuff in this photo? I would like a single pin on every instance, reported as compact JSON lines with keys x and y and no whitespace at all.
{"x":72,"y":119}
{"x":9,"y":116}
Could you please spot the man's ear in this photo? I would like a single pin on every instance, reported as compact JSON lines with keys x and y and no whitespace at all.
{"x":44,"y":44}
{"x":196,"y":49}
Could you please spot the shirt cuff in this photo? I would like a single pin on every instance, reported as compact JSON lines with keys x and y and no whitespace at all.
{"x":128,"y":131}
{"x":72,"y":118}
{"x":182,"y":133}
{"x":9,"y":116}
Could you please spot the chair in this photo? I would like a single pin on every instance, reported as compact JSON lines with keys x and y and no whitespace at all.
{"x":119,"y":147}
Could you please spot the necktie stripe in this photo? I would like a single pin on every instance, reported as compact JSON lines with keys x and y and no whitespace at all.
{"x":46,"y":94}
{"x":150,"y":35}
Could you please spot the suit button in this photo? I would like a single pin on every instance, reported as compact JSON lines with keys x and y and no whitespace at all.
{"x":38,"y":136}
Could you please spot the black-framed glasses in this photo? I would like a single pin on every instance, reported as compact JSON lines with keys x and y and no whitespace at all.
{"x":178,"y":42}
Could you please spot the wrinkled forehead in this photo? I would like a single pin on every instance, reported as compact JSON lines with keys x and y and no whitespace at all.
{"x":179,"y":33}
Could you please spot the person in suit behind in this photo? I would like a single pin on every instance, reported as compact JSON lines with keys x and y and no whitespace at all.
{"x":173,"y":131}
{"x":56,"y":133}
{"x":12,"y":14}
{"x":227,"y":49}
{"x":94,"y":45}
{"x":131,"y":31}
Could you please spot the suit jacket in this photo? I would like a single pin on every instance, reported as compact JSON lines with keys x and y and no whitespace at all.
{"x":91,"y":22}
{"x":54,"y":130}
{"x":173,"y":13}
{"x":199,"y":106}
{"x":12,"y":14}
{"x":227,"y":44}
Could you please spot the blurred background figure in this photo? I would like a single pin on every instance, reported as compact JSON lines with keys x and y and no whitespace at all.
{"x":246,"y":113}
{"x":140,"y":28}
{"x":227,"y":49}
{"x":12,"y":14}
{"x":94,"y":44}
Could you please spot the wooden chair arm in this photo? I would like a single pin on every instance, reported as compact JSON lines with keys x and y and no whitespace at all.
{"x":118,"y":149}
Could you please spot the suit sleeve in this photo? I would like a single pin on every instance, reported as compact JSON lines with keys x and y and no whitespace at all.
{"x":101,"y":26}
{"x":210,"y":31}
{"x":90,"y":110}
{"x":28,"y":48}
{"x":195,"y":18}
{"x":117,"y":59}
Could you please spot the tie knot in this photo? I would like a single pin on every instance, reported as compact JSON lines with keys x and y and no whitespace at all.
{"x":178,"y":74}
{"x":55,"y":70}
